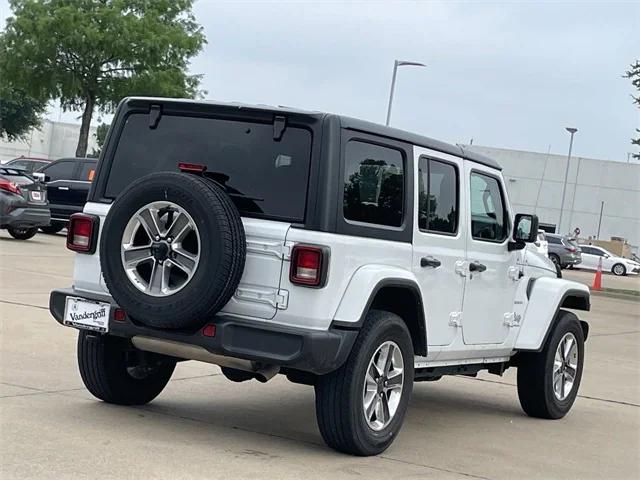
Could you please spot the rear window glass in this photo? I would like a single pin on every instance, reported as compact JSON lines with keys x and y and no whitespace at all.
{"x":264,"y":177}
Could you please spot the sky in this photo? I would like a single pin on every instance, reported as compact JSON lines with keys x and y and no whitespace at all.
{"x":505,"y":74}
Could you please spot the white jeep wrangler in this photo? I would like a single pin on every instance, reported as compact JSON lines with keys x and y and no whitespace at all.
{"x":345,"y":255}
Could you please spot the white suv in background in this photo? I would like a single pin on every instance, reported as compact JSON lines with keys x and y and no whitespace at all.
{"x":591,"y":255}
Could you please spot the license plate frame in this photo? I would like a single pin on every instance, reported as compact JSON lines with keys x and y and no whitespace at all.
{"x":36,"y":195}
{"x":86,"y":314}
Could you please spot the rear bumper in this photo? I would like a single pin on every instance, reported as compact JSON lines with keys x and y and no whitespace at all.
{"x":61,"y":212}
{"x":571,"y":260}
{"x":25,"y":217}
{"x":312,"y":351}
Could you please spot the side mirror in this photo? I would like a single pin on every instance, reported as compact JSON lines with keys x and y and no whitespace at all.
{"x":525,"y":230}
{"x":41,"y":177}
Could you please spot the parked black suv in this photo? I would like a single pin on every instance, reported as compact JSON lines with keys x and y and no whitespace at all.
{"x":68,"y":181}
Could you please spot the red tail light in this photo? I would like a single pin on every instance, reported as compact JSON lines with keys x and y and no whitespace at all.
{"x":570,"y":249}
{"x":82,"y":233}
{"x":309,"y":265}
{"x":191,"y":167}
{"x":10,"y":187}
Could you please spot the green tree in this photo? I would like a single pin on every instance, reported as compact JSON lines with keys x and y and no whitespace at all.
{"x":91,"y":53}
{"x":101,"y":136}
{"x":19,"y":112}
{"x":634,"y":74}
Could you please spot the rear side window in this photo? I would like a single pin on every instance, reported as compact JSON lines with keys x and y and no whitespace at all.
{"x":554,"y":240}
{"x":438,"y":201}
{"x":373,"y":184}
{"x":488,"y":211}
{"x":264,"y":177}
{"x":62,"y":170}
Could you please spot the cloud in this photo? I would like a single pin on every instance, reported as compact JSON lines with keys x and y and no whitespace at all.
{"x":508,"y":74}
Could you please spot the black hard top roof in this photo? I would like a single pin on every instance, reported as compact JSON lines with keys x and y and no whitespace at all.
{"x":346,"y":122}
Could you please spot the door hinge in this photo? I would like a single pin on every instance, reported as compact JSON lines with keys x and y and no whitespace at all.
{"x":155,"y":113}
{"x":455,"y":319}
{"x":277,"y":298}
{"x":515,"y":273}
{"x":512,"y":319}
{"x":275,"y":248}
{"x":461,"y":268}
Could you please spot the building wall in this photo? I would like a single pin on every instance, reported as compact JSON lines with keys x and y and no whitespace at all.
{"x":534,"y":183}
{"x":51,"y":141}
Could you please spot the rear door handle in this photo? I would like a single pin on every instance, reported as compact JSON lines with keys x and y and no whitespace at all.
{"x":63,"y":188}
{"x":477,"y":267}
{"x":430,"y":262}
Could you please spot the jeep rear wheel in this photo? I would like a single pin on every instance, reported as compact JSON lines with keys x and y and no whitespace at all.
{"x":548,"y":380}
{"x":361,"y":406}
{"x":172,"y":250}
{"x":113,"y":370}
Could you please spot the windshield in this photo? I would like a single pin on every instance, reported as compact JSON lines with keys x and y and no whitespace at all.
{"x":264,"y":177}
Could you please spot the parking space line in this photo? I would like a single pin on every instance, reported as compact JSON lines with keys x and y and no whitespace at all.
{"x":20,"y":304}
{"x":618,"y":402}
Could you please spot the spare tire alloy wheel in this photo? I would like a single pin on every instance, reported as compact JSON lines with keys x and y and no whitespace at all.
{"x":160,"y":248}
{"x":172,"y":250}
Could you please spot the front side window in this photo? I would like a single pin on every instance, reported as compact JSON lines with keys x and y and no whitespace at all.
{"x":438,"y":201}
{"x":87,"y":171}
{"x":62,"y":170}
{"x":488,"y":213}
{"x":373,"y":184}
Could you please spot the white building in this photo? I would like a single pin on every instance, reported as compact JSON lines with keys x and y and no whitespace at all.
{"x":51,"y":141}
{"x":534,"y":181}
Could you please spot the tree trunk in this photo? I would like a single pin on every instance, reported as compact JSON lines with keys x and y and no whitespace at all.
{"x":83,"y":140}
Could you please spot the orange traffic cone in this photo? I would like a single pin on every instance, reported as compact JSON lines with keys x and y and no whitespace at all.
{"x":597,"y":280}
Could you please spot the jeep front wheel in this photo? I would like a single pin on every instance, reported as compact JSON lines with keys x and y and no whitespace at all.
{"x":360,"y":407}
{"x":548,"y":380}
{"x":115,"y":371}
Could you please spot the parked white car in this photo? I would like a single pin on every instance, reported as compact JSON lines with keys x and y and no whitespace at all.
{"x":592,"y":254}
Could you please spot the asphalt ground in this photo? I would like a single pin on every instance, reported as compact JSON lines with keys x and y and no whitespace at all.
{"x":203,"y":426}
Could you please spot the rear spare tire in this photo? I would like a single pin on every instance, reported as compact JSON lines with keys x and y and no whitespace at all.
{"x":172,"y":250}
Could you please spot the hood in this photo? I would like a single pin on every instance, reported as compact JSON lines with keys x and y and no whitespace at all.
{"x":529,"y":257}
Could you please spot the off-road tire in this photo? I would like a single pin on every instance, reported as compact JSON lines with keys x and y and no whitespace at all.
{"x":222,"y":251}
{"x":103,"y":361}
{"x":339,"y":402}
{"x":22,"y":233}
{"x":535,"y":372}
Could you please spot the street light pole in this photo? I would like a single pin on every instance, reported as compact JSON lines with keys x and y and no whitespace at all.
{"x":396,"y":64}
{"x":572,"y":131}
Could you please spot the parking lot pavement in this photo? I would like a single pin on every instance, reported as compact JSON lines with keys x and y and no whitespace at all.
{"x":609,"y":280}
{"x":203,"y":426}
